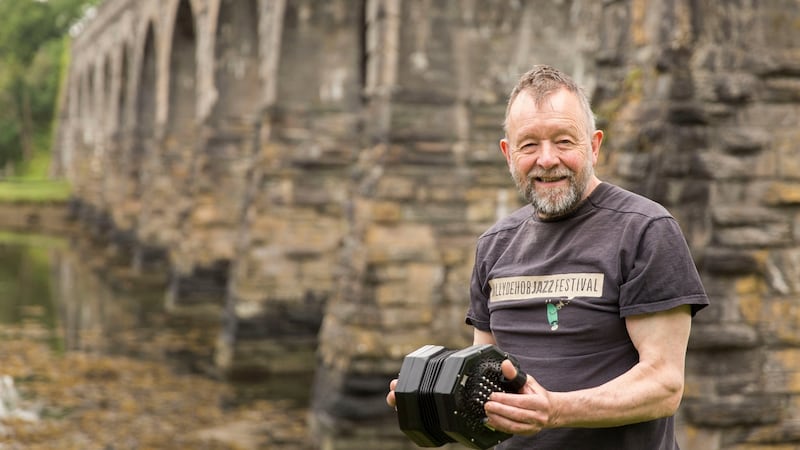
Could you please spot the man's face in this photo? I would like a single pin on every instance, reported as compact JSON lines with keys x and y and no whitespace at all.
{"x":550,"y":152}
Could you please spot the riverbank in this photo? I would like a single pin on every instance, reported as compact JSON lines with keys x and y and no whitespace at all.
{"x":43,"y":217}
{"x":35,"y":204}
{"x":129,"y":393}
{"x":86,"y":401}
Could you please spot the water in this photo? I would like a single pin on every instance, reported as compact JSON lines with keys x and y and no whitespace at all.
{"x":56,"y":285}
{"x":25,"y":288}
{"x":108,"y":338}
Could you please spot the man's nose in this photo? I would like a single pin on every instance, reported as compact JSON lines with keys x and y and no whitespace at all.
{"x":548,"y":155}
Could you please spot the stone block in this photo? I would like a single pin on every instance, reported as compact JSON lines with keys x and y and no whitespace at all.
{"x":411,"y":121}
{"x":787,"y":151}
{"x":722,"y":261}
{"x":739,"y":215}
{"x":783,"y":324}
{"x":386,"y":212}
{"x":434,"y":213}
{"x":688,"y":113}
{"x":734,"y":88}
{"x":734,"y":410}
{"x":777,"y":60}
{"x":723,"y":336}
{"x":721,"y":166}
{"x":256,"y":359}
{"x":766,"y":235}
{"x":694,"y":437}
{"x":727,"y":362}
{"x":744,"y":140}
{"x":770,"y":437}
{"x":783,"y":271}
{"x":395,"y":187}
{"x":407,"y":242}
{"x":750,"y":308}
{"x":781,"y":89}
{"x":632,"y":166}
{"x":783,"y":194}
{"x":782,"y":371}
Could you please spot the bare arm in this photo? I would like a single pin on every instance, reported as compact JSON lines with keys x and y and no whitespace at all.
{"x":482,"y":337}
{"x":649,"y":390}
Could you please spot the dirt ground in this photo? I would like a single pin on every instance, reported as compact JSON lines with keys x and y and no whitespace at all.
{"x":87,"y":401}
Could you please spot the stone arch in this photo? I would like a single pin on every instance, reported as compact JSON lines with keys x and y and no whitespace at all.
{"x":116,"y":184}
{"x":143,"y":139}
{"x":145,"y":92}
{"x":102,"y":152}
{"x":122,"y":93}
{"x":107,"y":100}
{"x":298,"y":190}
{"x":221,"y":165}
{"x":82,"y":119}
{"x":88,"y":104}
{"x":169,"y":171}
{"x":182,"y":69}
{"x":236,"y":59}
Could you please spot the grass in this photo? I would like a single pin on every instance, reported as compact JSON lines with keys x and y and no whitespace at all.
{"x":33,"y":190}
{"x":33,"y":185}
{"x":32,"y":240}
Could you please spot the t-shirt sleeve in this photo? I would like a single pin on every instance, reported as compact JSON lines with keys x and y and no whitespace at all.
{"x":478,"y":312}
{"x":663,"y":274}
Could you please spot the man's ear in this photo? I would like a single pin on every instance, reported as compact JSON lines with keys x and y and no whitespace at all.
{"x":597,"y":141}
{"x":505,"y":147}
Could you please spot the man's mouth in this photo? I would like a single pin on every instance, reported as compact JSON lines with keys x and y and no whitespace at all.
{"x":549,"y":179}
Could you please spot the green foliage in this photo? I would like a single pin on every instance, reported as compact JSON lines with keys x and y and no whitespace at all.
{"x":31,"y":50}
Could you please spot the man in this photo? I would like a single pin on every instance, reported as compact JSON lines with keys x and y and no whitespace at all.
{"x":590,"y":286}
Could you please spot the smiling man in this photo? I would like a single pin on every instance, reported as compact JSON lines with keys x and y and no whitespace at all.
{"x":591,"y":287}
{"x":605,"y":351}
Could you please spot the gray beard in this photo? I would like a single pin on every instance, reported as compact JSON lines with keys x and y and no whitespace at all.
{"x":554,"y":202}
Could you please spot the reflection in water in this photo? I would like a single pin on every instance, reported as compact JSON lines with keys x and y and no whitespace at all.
{"x":64,"y":292}
{"x":59,"y":286}
{"x":101,"y":310}
{"x":25,"y":283}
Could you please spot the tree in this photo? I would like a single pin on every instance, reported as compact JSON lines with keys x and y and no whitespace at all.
{"x":31,"y":43}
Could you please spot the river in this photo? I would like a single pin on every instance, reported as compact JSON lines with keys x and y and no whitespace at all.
{"x":88,"y":364}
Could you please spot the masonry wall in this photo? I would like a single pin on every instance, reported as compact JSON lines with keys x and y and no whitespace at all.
{"x":316,"y":173}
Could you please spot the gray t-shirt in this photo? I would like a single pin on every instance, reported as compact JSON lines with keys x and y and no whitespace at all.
{"x":555,"y":294}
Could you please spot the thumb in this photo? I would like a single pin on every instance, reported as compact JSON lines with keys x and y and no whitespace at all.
{"x":514,"y":379}
{"x":509,"y":370}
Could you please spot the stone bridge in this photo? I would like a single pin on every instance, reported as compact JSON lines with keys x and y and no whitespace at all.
{"x":316,"y":174}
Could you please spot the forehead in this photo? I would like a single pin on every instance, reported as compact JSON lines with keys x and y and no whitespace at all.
{"x":558,"y":110}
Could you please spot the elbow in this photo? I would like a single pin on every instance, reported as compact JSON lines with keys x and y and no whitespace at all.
{"x":673,"y":394}
{"x":671,"y":404}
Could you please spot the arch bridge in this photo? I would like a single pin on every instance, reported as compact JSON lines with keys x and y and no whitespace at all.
{"x":316,"y":173}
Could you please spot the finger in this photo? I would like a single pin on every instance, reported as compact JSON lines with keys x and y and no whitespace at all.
{"x":391,"y":400}
{"x":518,"y":422}
{"x":509,"y":371}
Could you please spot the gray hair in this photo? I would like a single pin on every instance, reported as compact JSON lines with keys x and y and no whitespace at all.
{"x":541,"y":82}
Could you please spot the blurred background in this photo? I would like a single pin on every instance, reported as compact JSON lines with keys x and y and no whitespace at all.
{"x":224,"y":223}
